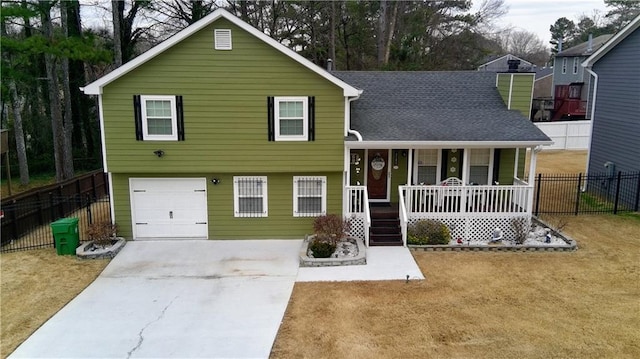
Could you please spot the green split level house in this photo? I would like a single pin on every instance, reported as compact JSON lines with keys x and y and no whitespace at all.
{"x":220,"y":132}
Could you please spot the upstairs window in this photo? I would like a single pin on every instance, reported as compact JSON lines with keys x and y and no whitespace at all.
{"x":309,"y":196}
{"x":250,"y":196}
{"x":576,"y":61}
{"x":158,"y":118}
{"x":291,"y":118}
{"x":564,"y":65}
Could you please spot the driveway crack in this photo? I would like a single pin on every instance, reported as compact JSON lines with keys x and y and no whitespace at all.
{"x":141,"y":332}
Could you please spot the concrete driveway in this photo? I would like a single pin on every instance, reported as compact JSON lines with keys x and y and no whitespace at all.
{"x":179,"y":299}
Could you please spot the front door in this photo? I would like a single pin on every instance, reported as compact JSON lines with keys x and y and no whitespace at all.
{"x":377,"y":175}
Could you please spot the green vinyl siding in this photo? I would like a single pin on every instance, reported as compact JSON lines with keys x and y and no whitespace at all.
{"x":505,"y":169}
{"x":519,"y":96}
{"x":280,"y":223}
{"x":507,"y":161}
{"x":504,"y":83}
{"x":399,"y":175}
{"x":225,"y":110}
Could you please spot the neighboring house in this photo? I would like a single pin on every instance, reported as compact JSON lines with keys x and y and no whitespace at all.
{"x":615,"y":137}
{"x":542,"y":107}
{"x":221,"y":132}
{"x":501,"y":63}
{"x":571,"y":82}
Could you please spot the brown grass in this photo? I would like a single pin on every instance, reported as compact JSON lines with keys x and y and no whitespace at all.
{"x":561,"y":162}
{"x":34,"y":286}
{"x":583,"y":304}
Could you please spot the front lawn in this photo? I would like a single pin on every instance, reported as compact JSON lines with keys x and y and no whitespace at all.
{"x":583,"y":304}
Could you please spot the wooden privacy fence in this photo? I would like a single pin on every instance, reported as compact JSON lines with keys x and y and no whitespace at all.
{"x":587,"y":193}
{"x":29,"y":212}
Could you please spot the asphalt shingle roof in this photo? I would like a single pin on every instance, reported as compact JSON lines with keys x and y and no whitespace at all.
{"x":434,"y":106}
{"x":583,"y":48}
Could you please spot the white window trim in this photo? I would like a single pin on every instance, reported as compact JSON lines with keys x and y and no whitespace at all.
{"x":174,"y":118}
{"x":305,"y":118}
{"x":236,"y":197}
{"x":219,"y":34}
{"x":576,"y":61}
{"x":564,"y":65}
{"x":438,"y":167}
{"x":324,"y":195}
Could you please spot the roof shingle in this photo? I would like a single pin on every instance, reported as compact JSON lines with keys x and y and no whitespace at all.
{"x":434,"y":106}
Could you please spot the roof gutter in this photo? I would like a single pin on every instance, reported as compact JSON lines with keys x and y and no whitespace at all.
{"x":593,"y":110}
{"x":347,"y":116}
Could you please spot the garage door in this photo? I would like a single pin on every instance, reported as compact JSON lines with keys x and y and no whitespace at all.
{"x":169,"y":207}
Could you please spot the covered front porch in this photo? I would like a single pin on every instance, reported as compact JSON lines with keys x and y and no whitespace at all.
{"x":471,"y":189}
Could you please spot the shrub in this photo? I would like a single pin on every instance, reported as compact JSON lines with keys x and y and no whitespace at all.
{"x":322,"y":249}
{"x":330,"y":228}
{"x":428,"y":231}
{"x":521,"y":229}
{"x":101,"y":233}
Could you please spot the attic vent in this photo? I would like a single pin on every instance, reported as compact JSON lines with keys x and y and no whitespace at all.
{"x":222,"y":39}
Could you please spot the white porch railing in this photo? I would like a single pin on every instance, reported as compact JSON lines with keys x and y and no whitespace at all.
{"x":356,"y":209}
{"x":404,"y":218}
{"x":469,"y":211}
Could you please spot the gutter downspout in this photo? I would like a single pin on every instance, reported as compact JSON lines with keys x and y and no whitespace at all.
{"x":347,"y":116}
{"x":593,"y":112}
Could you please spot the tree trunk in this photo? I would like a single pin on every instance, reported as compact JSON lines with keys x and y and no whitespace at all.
{"x":389,"y":33}
{"x":117,"y":14}
{"x":57,"y":124}
{"x":68,"y":109}
{"x":382,"y":29}
{"x":332,"y":36}
{"x":21,"y":148}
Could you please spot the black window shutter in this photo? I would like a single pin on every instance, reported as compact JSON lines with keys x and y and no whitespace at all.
{"x":270,"y":120}
{"x":312,"y":118}
{"x":137,"y":115}
{"x":180,"y":118}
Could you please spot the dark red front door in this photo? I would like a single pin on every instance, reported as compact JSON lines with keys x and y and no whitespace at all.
{"x":377,"y":162}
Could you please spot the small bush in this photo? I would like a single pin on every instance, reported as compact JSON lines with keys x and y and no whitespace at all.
{"x":521,"y":229}
{"x":101,"y":233}
{"x":428,"y":231}
{"x":331,"y":228}
{"x":322,"y":249}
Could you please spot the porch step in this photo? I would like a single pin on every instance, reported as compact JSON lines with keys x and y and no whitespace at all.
{"x":385,"y":240}
{"x":385,"y":227}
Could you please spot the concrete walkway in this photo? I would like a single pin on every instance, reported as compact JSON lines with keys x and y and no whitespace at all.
{"x":193,"y":299}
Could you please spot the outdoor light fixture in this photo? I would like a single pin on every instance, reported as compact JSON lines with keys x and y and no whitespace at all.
{"x":158,"y":153}
{"x":215,"y":181}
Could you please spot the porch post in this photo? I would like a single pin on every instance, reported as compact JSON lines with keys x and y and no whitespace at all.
{"x":410,"y":166}
{"x":465,"y":166}
{"x":531,"y":178}
{"x":515,"y":164}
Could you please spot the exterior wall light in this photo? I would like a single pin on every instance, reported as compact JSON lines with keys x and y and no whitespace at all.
{"x":215,"y":181}
{"x":158,"y":153}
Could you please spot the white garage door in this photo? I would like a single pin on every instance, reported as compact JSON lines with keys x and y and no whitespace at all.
{"x":169,"y":207}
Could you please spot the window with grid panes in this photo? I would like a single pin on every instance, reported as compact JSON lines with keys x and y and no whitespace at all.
{"x":427,"y":166}
{"x":250,"y":196}
{"x":479,"y":166}
{"x":309,"y":196}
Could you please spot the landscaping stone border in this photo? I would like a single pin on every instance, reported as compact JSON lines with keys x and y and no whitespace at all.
{"x":306,"y":261}
{"x":571,"y":245}
{"x":83,"y":251}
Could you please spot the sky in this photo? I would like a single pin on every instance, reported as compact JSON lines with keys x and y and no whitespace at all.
{"x":532,"y":15}
{"x":537,"y":15}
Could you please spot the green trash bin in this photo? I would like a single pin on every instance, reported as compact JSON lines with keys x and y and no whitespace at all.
{"x":65,"y":235}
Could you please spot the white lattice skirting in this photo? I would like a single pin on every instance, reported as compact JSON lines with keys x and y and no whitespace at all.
{"x":470,"y":228}
{"x":357,"y":226}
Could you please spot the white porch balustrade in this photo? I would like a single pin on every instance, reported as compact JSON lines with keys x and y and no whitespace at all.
{"x":468,"y":211}
{"x":356,"y":208}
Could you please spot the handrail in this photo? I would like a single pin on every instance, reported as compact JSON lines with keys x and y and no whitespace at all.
{"x":404,"y":219}
{"x":367,"y":217}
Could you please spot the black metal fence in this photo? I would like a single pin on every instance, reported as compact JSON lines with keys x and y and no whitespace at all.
{"x":587,"y":193}
{"x":27,"y":216}
{"x":27,"y":225}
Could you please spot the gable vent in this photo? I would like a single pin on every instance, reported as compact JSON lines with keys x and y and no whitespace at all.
{"x":222,"y":38}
